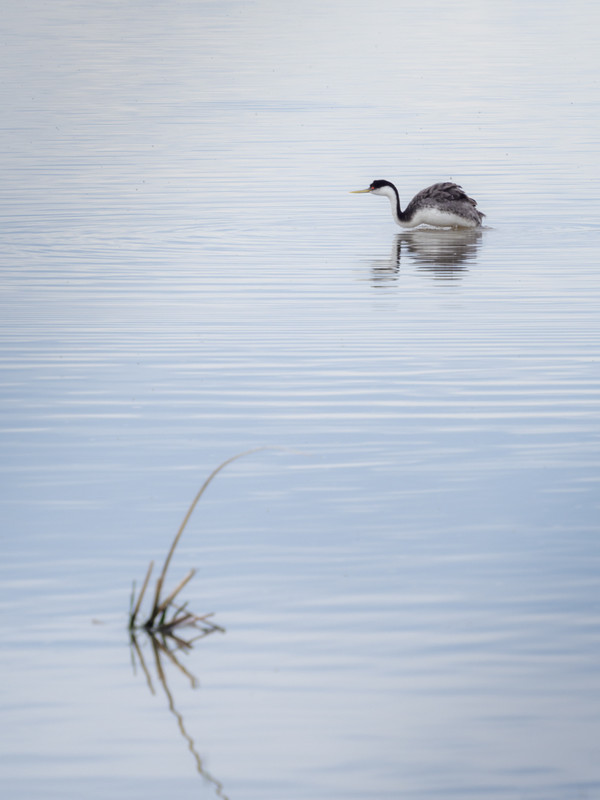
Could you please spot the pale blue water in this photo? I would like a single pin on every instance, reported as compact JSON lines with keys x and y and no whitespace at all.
{"x":409,"y":578}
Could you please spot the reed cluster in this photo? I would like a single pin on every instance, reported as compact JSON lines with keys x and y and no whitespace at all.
{"x":167,"y":616}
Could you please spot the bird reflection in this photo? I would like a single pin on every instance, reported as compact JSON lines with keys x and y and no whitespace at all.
{"x":166,"y":649}
{"x":444,"y":253}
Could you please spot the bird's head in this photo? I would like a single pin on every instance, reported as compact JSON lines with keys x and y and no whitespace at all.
{"x":377,"y":187}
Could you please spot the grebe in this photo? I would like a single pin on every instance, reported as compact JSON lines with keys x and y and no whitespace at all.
{"x":443,"y":205}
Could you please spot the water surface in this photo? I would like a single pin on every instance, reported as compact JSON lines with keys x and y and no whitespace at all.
{"x":408,"y":579}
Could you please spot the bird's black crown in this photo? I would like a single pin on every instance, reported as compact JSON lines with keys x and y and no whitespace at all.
{"x":379,"y":184}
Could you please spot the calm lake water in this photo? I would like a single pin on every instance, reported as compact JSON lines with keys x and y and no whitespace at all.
{"x":409,"y":578}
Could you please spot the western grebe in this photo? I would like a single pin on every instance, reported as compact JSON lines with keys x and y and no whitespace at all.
{"x":443,"y":205}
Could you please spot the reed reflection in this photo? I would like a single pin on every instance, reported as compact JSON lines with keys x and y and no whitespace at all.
{"x":171,"y":628}
{"x":446,"y":254}
{"x":165,"y":649}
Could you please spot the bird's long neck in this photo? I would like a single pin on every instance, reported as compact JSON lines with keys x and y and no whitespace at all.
{"x":392,"y":194}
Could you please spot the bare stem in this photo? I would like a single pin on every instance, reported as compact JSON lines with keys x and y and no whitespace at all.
{"x":165,"y":603}
{"x":163,"y":574}
{"x":135,"y":612}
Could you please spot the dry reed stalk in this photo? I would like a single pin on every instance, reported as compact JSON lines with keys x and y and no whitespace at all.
{"x":136,"y":610}
{"x":159,"y":622}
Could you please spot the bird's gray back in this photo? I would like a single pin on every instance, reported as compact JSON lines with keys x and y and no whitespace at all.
{"x":446,"y":196}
